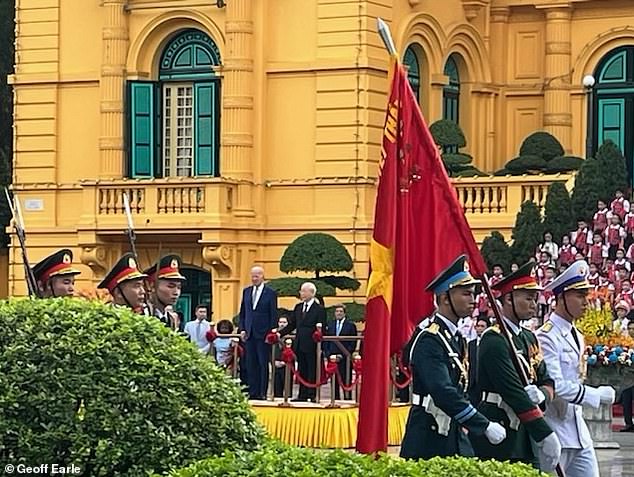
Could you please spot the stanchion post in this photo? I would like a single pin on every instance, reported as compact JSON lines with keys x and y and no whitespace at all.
{"x":357,"y":386}
{"x":318,"y":368}
{"x":271,"y":393}
{"x":287,"y":377}
{"x":333,"y":384}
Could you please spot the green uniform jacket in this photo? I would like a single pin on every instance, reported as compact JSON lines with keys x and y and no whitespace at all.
{"x":436,"y":374}
{"x":497,"y":374}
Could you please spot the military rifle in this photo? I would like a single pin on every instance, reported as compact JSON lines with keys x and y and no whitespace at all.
{"x":18,"y":226}
{"x":130,"y":230}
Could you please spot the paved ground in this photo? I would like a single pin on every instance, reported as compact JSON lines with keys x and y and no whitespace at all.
{"x":618,"y":463}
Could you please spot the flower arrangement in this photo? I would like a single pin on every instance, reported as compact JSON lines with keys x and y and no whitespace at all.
{"x":600,"y":355}
{"x":598,"y":329}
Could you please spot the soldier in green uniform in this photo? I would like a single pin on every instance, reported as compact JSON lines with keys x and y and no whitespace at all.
{"x":436,"y":353}
{"x":125,"y":283}
{"x":55,"y":274}
{"x":504,"y":398}
{"x":166,"y":284}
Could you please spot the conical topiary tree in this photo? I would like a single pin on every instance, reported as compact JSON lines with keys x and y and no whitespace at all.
{"x":495,"y":251}
{"x":527,"y":233}
{"x":589,"y":188}
{"x":613,"y":169}
{"x":315,"y":253}
{"x":558,"y":218}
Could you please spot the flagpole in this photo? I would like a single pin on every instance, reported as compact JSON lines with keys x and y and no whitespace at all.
{"x":386,"y":36}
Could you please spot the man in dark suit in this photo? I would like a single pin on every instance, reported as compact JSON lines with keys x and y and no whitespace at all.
{"x":258,"y":316}
{"x":474,"y":390}
{"x":304,"y":319}
{"x":341,"y":326}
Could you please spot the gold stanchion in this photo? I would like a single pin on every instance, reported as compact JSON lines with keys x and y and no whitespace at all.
{"x":318,"y":368}
{"x":287,"y":377}
{"x":271,"y":393}
{"x":333,"y":385}
{"x":357,"y":386}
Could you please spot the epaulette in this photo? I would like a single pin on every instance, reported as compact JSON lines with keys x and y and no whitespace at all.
{"x":546,"y":327}
{"x":433,"y":329}
{"x":492,"y":328}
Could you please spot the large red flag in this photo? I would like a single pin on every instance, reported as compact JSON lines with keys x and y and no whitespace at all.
{"x":419,"y":229}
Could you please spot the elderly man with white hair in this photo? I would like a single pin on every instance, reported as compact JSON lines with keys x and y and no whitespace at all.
{"x":258,"y":316}
{"x":304,"y":319}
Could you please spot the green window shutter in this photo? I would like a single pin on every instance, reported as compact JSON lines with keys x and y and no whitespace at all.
{"x":142,"y":128}
{"x":206,"y":131}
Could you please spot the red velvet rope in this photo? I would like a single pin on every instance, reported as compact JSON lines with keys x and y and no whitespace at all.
{"x":317,"y":336}
{"x":404,"y":370}
{"x":327,"y":370}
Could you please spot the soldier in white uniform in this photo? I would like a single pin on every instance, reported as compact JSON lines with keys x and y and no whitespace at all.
{"x":563,"y":345}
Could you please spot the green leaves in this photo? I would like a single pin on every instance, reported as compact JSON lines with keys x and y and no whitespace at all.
{"x":527,"y":233}
{"x":447,"y":133}
{"x":111,"y":391}
{"x":278,"y":460}
{"x":558,"y":219}
{"x":316,"y":252}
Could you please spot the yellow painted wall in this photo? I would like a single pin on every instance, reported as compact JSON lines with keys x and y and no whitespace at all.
{"x":311,"y":129}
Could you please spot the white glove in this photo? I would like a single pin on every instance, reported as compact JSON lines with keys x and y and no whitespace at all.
{"x":607,"y":394}
{"x":495,"y":433}
{"x":535,"y":394}
{"x":549,"y":452}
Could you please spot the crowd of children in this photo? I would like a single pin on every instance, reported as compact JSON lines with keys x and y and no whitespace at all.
{"x":607,"y":244}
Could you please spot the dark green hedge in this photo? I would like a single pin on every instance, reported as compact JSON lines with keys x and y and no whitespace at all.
{"x":112,"y":392}
{"x":525,"y":164}
{"x":447,"y":133}
{"x":564,"y":164}
{"x":284,"y":461}
{"x":541,"y":144}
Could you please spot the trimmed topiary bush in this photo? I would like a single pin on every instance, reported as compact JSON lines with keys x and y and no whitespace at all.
{"x":502,"y":172}
{"x":317,"y":253}
{"x":112,"y":392}
{"x":564,"y":164}
{"x":279,"y":460}
{"x":447,"y":133}
{"x":289,"y":286}
{"x":526,"y":165}
{"x":541,"y":144}
{"x":469,"y":171}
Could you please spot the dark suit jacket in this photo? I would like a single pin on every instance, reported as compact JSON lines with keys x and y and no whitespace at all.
{"x":305,"y":326}
{"x":347,"y":329}
{"x":257,"y":323}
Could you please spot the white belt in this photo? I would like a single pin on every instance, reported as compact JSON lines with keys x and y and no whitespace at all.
{"x":443,"y":421}
{"x":495,"y":398}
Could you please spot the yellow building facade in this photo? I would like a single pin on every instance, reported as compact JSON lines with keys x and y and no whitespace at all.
{"x":234,"y":126}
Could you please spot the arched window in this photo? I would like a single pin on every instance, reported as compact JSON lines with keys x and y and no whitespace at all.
{"x":174,"y":123}
{"x":613,"y":105}
{"x":410,"y":60}
{"x":451,"y":92}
